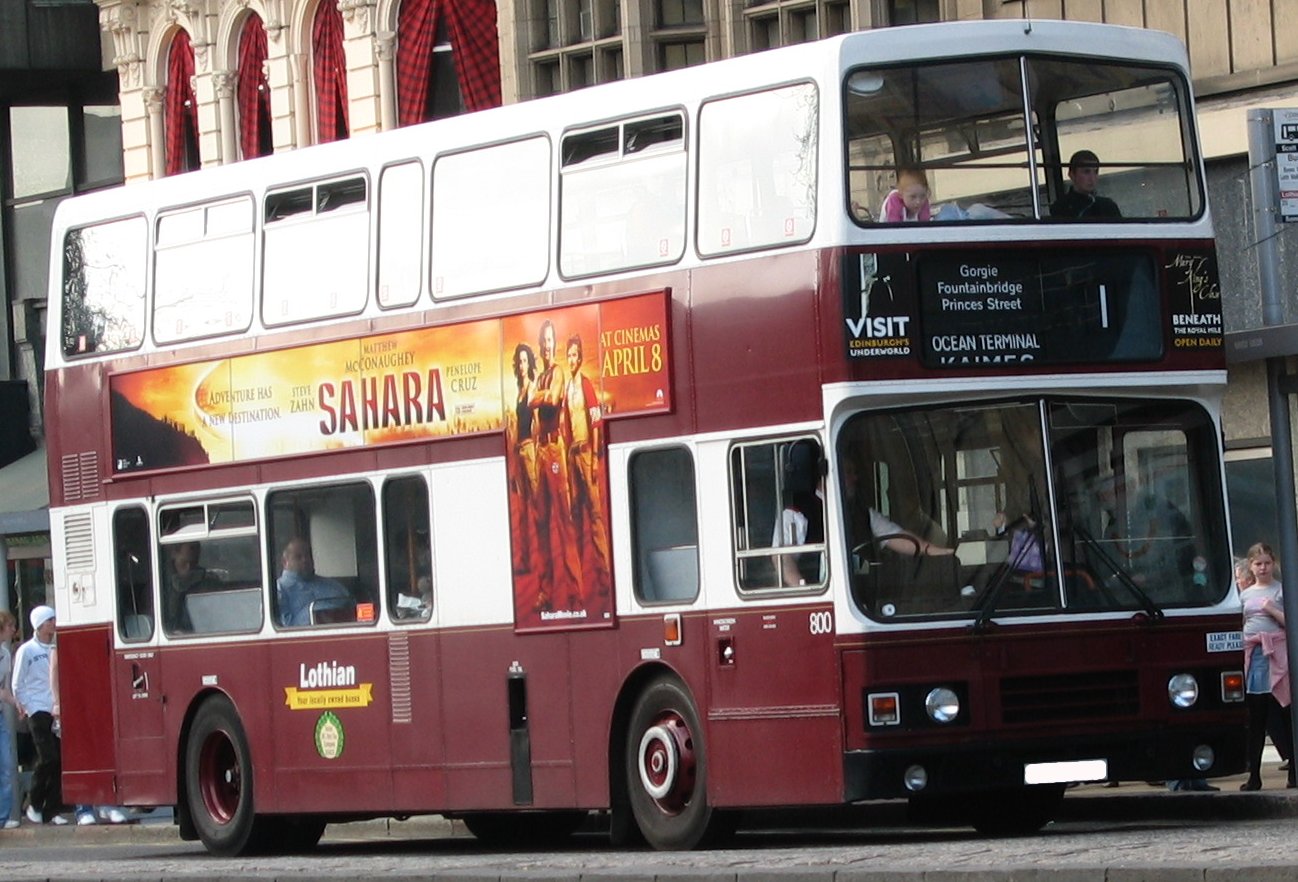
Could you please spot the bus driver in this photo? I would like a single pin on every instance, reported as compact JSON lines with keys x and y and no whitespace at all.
{"x":299,"y":586}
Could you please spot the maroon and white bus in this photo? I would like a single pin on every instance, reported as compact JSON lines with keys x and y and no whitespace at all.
{"x":617,"y":453}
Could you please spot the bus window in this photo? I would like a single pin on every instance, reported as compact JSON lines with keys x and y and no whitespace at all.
{"x":211,"y":582}
{"x":134,"y":574}
{"x":325,"y":221}
{"x":757,"y":170}
{"x":622,"y":197}
{"x":961,"y":122}
{"x":1140,"y":502}
{"x":778,"y":503}
{"x":401,"y":240}
{"x":964,"y":123}
{"x":491,"y":218}
{"x":407,"y":549}
{"x":104,"y":268}
{"x":665,"y":525}
{"x":974,"y":474}
{"x":323,"y":551}
{"x":1133,"y":119}
{"x":203,"y":275}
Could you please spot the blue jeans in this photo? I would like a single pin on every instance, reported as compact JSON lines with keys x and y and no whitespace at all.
{"x":8,"y":772}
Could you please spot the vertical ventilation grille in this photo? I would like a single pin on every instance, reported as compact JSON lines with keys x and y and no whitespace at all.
{"x":79,"y":544}
{"x":1058,"y":698}
{"x":80,"y":476}
{"x":399,"y":676}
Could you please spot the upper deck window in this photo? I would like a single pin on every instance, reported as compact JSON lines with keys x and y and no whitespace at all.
{"x":310,"y":268}
{"x":992,"y":139}
{"x":491,"y":218}
{"x":203,"y":271}
{"x":757,"y":170}
{"x":103,"y":287}
{"x":622,"y":196}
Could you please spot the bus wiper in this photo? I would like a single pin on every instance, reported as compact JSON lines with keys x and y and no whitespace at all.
{"x":991,"y":598}
{"x":993,"y":595}
{"x":1152,"y":608}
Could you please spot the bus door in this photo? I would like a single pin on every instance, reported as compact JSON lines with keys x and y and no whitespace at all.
{"x":136,"y":669}
{"x":772,"y":660}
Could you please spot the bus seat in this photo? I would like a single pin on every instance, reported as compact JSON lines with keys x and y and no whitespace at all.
{"x":332,"y":611}
{"x":137,"y":627}
{"x":212,"y":612}
{"x":673,"y":573}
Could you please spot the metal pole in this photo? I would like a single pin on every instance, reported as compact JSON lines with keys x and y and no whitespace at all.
{"x":1261,"y":162}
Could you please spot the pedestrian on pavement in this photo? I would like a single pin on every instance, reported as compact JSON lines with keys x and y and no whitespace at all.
{"x":32,"y":687}
{"x":8,"y":717}
{"x":1266,"y":664}
{"x":86,"y":814}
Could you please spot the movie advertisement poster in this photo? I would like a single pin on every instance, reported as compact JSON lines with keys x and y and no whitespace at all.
{"x":549,"y":380}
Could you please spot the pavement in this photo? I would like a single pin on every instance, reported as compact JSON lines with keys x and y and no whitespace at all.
{"x":1084,"y":802}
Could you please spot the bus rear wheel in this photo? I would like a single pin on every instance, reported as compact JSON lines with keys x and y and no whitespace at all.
{"x":667,"y":769}
{"x":218,"y":781}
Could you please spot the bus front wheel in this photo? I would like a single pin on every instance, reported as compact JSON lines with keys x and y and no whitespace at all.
{"x":218,"y":781}
{"x":1018,"y":812}
{"x":667,"y":769}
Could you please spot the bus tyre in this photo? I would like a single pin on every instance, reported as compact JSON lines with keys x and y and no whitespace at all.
{"x":1018,"y":812}
{"x":667,"y":769}
{"x":218,"y":781}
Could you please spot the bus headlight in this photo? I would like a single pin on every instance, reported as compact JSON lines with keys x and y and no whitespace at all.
{"x":942,"y":704}
{"x":1183,"y":690}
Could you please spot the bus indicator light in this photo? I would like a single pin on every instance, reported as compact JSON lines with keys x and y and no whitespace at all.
{"x":1232,"y":686}
{"x":672,"y":629}
{"x":884,"y":708}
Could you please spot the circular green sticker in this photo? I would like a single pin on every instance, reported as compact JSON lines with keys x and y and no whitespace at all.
{"x":329,"y":737}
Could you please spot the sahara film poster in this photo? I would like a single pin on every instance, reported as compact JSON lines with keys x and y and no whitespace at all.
{"x":599,"y":361}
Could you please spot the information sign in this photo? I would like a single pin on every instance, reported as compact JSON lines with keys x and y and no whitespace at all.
{"x":1286,"y":161}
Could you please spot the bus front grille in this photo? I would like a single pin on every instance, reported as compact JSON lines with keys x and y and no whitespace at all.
{"x":1060,"y":697}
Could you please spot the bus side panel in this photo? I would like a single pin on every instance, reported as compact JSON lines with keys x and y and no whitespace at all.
{"x":238,"y":670}
{"x":145,"y":774}
{"x":418,"y":748}
{"x":756,"y":320}
{"x":76,"y":390}
{"x":331,"y":711}
{"x":86,"y":708}
{"x":775,"y":697}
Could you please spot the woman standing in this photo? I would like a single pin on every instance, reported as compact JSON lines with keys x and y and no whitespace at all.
{"x":1266,"y":665}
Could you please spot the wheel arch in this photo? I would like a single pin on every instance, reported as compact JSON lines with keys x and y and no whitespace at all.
{"x":623,"y":827}
{"x":183,"y":818}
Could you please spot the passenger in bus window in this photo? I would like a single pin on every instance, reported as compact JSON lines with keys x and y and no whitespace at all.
{"x":299,"y":587}
{"x":909,"y":201}
{"x":1081,"y":202}
{"x":583,"y":420}
{"x":185,"y":576}
{"x":802,"y":522}
{"x":869,"y":527}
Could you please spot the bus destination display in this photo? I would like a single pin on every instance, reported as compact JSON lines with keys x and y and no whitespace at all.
{"x":979,"y":308}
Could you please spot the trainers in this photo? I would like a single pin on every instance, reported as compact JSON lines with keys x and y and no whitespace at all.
{"x":34,"y":816}
{"x":11,"y":824}
{"x":115,"y":816}
{"x":58,"y":820}
{"x":85,"y":819}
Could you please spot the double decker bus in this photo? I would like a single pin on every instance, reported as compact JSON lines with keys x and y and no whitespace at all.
{"x":614,"y":453}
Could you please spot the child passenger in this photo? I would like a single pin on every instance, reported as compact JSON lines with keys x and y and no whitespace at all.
{"x":909,"y":202}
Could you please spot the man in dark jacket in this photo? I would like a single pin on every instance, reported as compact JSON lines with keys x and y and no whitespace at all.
{"x":1081,"y":201}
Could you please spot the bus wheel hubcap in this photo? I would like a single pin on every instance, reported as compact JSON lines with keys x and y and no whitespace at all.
{"x":666,"y":762}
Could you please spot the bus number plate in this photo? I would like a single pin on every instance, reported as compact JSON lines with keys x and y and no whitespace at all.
{"x":1066,"y":772}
